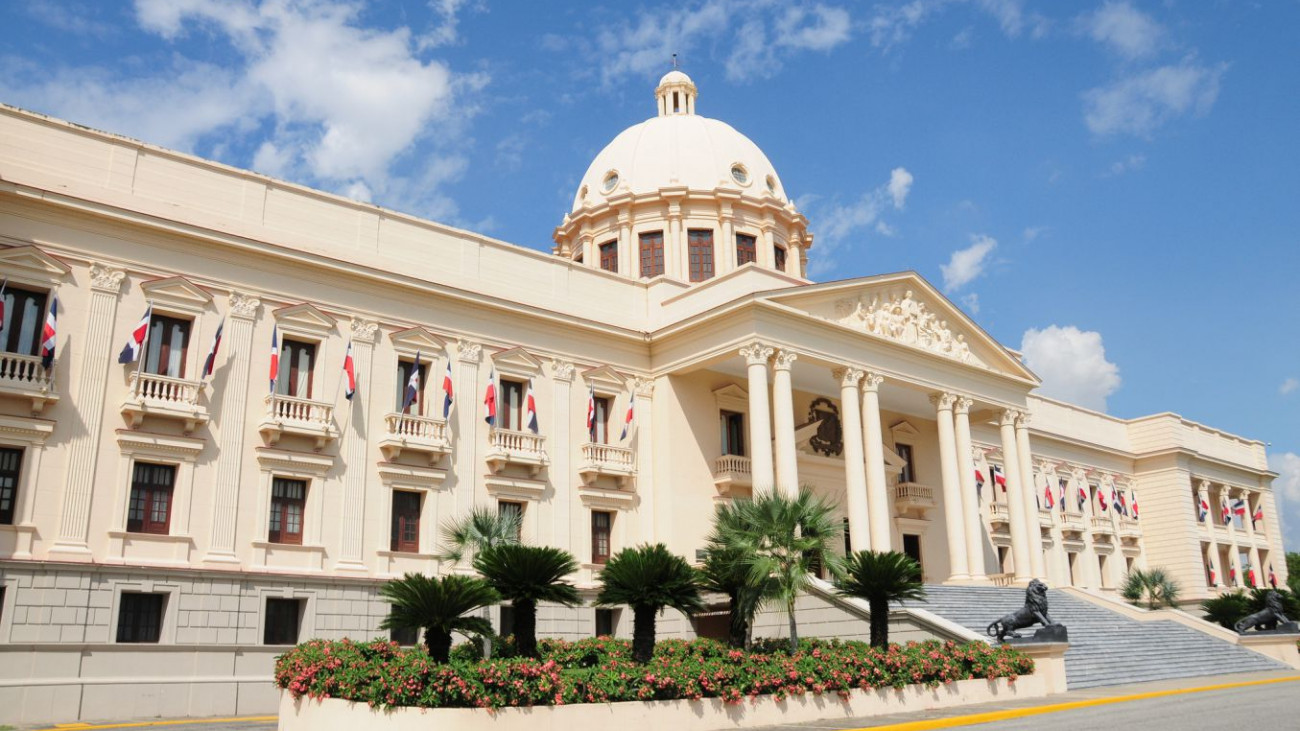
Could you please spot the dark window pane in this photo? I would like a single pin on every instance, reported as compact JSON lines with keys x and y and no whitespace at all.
{"x":511,"y":408}
{"x":11,"y":462}
{"x":733,"y":433}
{"x":406,"y":522}
{"x":778,"y":257}
{"x":746,"y":249}
{"x":605,"y":622}
{"x":601,"y":521}
{"x":404,"y":369}
{"x":282,"y":620}
{"x":652,"y":254}
{"x":139,"y":617}
{"x":600,"y":427}
{"x":404,"y":636}
{"x":609,"y":256}
{"x":149,"y":507}
{"x":288,"y":502}
{"x":905,"y":451}
{"x":700,"y":254}
{"x":23,"y":320}
{"x":297,"y":360}
{"x":168,"y":339}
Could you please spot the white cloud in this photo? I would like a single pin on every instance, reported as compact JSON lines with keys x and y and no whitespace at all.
{"x":1127,"y":165}
{"x":1033,"y":232}
{"x":900,"y":184}
{"x":893,"y":25}
{"x":971,"y":302}
{"x":1124,"y":29}
{"x":837,"y":223}
{"x":1289,"y":386}
{"x":968,"y":263}
{"x":1141,"y":103}
{"x":1287,"y":487}
{"x":1072,"y":364}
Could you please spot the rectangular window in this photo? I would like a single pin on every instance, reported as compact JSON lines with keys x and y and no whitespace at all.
{"x":600,"y":428}
{"x":507,"y":620}
{"x":139,"y":617}
{"x":652,"y":254}
{"x":746,"y":249}
{"x":605,"y":622}
{"x":405,"y":636}
{"x":511,"y":408}
{"x":404,"y":369}
{"x":515,"y":510}
{"x":288,"y":503}
{"x":778,"y":257}
{"x":297,"y":361}
{"x":905,"y":452}
{"x":848,"y":542}
{"x":406,"y":522}
{"x":733,"y":433}
{"x":601,"y":522}
{"x":283,"y":619}
{"x":24,"y":318}
{"x":11,"y":463}
{"x":699,"y":248}
{"x":609,"y":256}
{"x":169,"y":338}
{"x":150,"y":509}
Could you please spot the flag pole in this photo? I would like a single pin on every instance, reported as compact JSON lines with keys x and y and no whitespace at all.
{"x":141,"y":368}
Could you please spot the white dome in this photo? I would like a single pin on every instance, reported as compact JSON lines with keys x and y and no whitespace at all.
{"x":675,"y":77}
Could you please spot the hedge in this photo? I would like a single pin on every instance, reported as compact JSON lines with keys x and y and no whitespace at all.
{"x":600,"y":670}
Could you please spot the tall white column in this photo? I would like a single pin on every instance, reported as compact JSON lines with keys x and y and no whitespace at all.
{"x":970,"y":502}
{"x":855,"y":478}
{"x":1091,"y":570}
{"x":83,"y":452}
{"x":468,"y":416}
{"x":787,"y":468}
{"x":1026,"y":466}
{"x":1203,"y":492}
{"x":760,"y":422}
{"x":355,"y":442}
{"x":231,"y":427}
{"x":653,"y":512}
{"x":877,"y":486}
{"x":1015,"y":503}
{"x":953,"y":521}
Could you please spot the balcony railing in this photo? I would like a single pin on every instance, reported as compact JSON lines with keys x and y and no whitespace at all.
{"x":731,"y":471}
{"x":298,"y":416}
{"x":1073,"y":521}
{"x":914,"y":492}
{"x":1102,"y":524}
{"x":606,"y":459}
{"x":999,"y":513}
{"x":413,"y":433}
{"x":157,"y":395}
{"x":1129,"y":528}
{"x":506,"y":446}
{"x":1045,"y":517}
{"x":23,"y":376}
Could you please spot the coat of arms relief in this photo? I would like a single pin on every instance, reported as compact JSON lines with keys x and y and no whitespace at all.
{"x":905,"y":319}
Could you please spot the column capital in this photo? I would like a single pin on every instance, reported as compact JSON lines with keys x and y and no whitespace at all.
{"x":963,"y":404}
{"x":364,"y":330}
{"x":784,"y":360}
{"x":106,"y":279}
{"x":847,"y":376}
{"x":871,"y":381}
{"x":1022,"y":419}
{"x":943,"y":401}
{"x":1008,"y":417}
{"x":244,"y":305}
{"x":643,"y":387}
{"x":561,"y":370}
{"x":1203,"y":485}
{"x":468,"y":351}
{"x":756,"y":353}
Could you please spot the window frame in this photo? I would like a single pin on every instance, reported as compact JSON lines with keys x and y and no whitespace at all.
{"x":509,"y":505}
{"x":779,"y":257}
{"x":277,"y":534}
{"x":506,"y":413}
{"x":404,"y":366}
{"x":611,"y":618}
{"x":126,"y":612}
{"x":11,"y":337}
{"x":159,"y":352}
{"x":746,"y":252}
{"x":401,"y":522}
{"x":651,"y":251}
{"x":608,"y":255}
{"x":907,"y":453}
{"x":285,"y":382}
{"x":700,"y":268}
{"x":282,"y":603}
{"x":148,"y":495}
{"x":726,"y":418}
{"x":9,"y":503}
{"x":607,"y":532}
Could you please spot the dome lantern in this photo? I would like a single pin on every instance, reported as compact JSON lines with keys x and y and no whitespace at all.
{"x":676,"y":94}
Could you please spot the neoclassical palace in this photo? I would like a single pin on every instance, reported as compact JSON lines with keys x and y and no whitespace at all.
{"x":184,"y":514}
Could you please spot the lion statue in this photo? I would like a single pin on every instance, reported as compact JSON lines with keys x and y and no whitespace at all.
{"x":1034,"y":612}
{"x":1266,"y":619}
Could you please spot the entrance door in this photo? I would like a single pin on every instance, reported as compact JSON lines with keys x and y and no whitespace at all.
{"x":1074,"y":574}
{"x":912,"y":547}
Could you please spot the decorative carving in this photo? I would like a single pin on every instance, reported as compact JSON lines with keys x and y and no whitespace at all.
{"x":643,"y":387}
{"x":829,"y":439}
{"x":561,"y":370}
{"x":1033,"y":612}
{"x":756,"y":354}
{"x":784,"y":359}
{"x":943,"y":401}
{"x":871,"y":381}
{"x":1008,"y":417}
{"x":848,"y":376}
{"x":962,"y":405}
{"x":364,"y":330}
{"x":1022,"y":419}
{"x":906,"y":320}
{"x":469,"y":352}
{"x":106,"y":278}
{"x":244,"y":305}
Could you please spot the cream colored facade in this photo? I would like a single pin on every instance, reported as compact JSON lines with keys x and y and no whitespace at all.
{"x":825,"y":382}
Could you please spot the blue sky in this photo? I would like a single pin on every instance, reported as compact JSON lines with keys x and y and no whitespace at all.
{"x":1110,"y":186}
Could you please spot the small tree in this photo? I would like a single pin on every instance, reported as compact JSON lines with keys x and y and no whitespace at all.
{"x":526,"y":575}
{"x":647,"y":579}
{"x":881,"y":578}
{"x":481,"y":529}
{"x":1153,"y":586}
{"x":438,"y":606}
{"x":727,"y":571}
{"x":1226,"y":609}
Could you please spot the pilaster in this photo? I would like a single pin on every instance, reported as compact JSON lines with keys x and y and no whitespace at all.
{"x":231,"y":427}
{"x":468,"y":415}
{"x":1025,"y":465}
{"x":354,"y":449}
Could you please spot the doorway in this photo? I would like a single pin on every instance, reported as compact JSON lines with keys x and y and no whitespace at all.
{"x":912,"y":547}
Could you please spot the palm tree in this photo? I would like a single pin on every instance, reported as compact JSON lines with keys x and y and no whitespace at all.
{"x":647,"y":579}
{"x":482,"y":528}
{"x":438,"y":606}
{"x":527,"y":575}
{"x":726,"y":570}
{"x":1226,"y":609}
{"x":1154,"y":586}
{"x":881,"y":578}
{"x":782,"y":539}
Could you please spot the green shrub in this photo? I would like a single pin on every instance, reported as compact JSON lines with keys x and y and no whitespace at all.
{"x":600,"y":670}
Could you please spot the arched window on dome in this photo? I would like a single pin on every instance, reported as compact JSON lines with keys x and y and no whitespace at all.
{"x":778,"y":257}
{"x":699,"y":246}
{"x":609,"y":256}
{"x":746,"y":249}
{"x":652,"y":254}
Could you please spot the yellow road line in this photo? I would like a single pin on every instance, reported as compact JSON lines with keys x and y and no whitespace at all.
{"x":146,"y":724}
{"x":1010,"y":713}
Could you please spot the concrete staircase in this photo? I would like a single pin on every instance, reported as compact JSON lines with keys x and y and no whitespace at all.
{"x":1106,"y":648}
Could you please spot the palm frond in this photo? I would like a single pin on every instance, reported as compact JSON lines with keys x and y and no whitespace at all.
{"x":529,"y":573}
{"x":482,"y":528}
{"x":649,"y":576}
{"x":885,"y":576}
{"x":424,"y":602}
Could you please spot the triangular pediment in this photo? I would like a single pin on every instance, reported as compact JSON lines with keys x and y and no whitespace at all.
{"x":417,"y":340}
{"x":517,"y":362}
{"x":905,"y":429}
{"x":605,"y":378}
{"x":906,"y":310}
{"x":732,"y":397}
{"x":176,"y":293}
{"x":304,"y":317}
{"x":32,"y":261}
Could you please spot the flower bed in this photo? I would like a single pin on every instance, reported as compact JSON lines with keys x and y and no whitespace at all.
{"x":600,"y":670}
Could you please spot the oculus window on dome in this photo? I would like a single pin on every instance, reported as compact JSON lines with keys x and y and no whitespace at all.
{"x":740,"y":174}
{"x":610,"y":182}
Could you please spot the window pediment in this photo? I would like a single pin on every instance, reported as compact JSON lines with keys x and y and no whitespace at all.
{"x":31,"y":264}
{"x":516,"y":362}
{"x":417,"y":340}
{"x":905,"y":430}
{"x":177,"y":294}
{"x":732,"y":397}
{"x":304,"y":319}
{"x":604,"y":379}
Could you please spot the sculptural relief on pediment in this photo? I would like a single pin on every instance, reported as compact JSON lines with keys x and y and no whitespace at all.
{"x":901,"y":317}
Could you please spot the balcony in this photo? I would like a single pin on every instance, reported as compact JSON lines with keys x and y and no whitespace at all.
{"x":1045,"y":517}
{"x":164,"y":397}
{"x":608,"y":460}
{"x":411,"y":433}
{"x":1073,"y":522}
{"x":911,"y":494}
{"x":23,"y":377}
{"x":506,"y":447}
{"x":999,"y":517}
{"x":731,"y":471}
{"x":1101,"y":525}
{"x":1129,"y":528}
{"x":298,"y":417}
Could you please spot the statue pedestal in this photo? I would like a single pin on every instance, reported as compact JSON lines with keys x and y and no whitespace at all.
{"x":1050,"y":633}
{"x":1049,"y":660}
{"x":1277,"y":644}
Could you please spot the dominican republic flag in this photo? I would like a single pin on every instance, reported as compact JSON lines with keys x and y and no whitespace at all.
{"x":1250,"y":576}
{"x":1257,"y":516}
{"x":1204,"y":509}
{"x":135,"y":344}
{"x":350,"y":372}
{"x":1060,"y":491}
{"x":1214,"y":579}
{"x":591,"y":412}
{"x":1101,"y":498}
{"x":1239,"y":507}
{"x":275,"y":356}
{"x":1135,"y":506}
{"x":979,"y":482}
{"x":530,"y":409}
{"x":1121,"y":503}
{"x":1224,"y":514}
{"x":48,"y":334}
{"x":446,"y":391}
{"x":999,"y":478}
{"x":210,"y":363}
{"x":1232,"y":574}
{"x":490,"y":400}
{"x":1047,"y":496}
{"x":1272,"y":577}
{"x":412,"y":384}
{"x":627,"y":420}
{"x":1083,"y":498}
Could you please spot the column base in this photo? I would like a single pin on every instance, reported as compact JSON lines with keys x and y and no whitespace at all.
{"x":225,"y":558}
{"x":957,"y":580}
{"x":66,"y":550}
{"x":351,"y":565}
